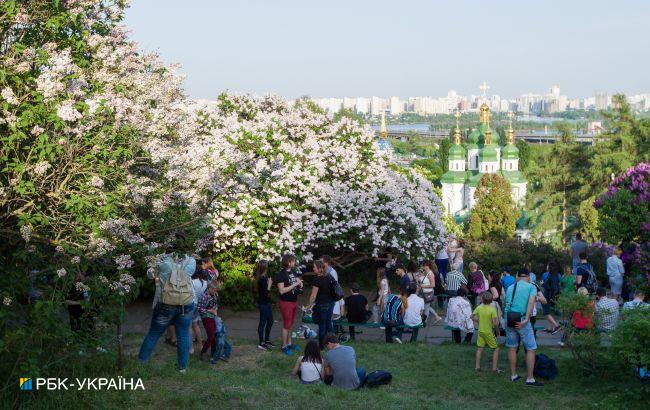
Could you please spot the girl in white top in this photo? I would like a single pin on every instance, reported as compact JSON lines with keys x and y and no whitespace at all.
{"x":309,"y":368}
{"x":383,"y":290}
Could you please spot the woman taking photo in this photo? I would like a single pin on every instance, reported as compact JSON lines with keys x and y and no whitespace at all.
{"x":321,"y":302}
{"x":264,"y":304}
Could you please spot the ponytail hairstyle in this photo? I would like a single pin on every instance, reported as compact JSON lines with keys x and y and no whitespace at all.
{"x":381,"y":274}
{"x":287,"y":259}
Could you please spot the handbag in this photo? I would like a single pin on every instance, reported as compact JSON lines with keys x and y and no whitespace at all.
{"x":427,"y":296}
{"x":513,"y":317}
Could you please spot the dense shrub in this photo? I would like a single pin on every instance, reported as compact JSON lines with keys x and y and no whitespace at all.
{"x":513,"y":253}
{"x":631,"y":339}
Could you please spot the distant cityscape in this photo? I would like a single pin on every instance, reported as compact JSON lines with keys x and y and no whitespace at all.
{"x":528,"y":104}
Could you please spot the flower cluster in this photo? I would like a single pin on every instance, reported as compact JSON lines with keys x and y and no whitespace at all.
{"x":123,"y":262}
{"x":635,"y":179}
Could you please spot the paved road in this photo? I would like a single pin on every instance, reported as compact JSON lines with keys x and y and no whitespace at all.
{"x":243,"y":325}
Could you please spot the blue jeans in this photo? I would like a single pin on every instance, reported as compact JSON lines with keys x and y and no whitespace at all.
{"x":442,"y":265}
{"x":163,"y":316}
{"x":525,"y":335}
{"x":323,"y":314}
{"x":266,"y":322}
{"x":223,"y":348}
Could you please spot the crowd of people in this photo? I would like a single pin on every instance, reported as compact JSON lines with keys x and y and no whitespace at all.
{"x":499,"y":303}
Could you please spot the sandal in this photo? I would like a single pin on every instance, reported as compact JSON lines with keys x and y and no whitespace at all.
{"x":497,"y":371}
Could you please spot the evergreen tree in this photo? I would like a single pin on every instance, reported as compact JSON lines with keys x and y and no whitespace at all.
{"x":558,"y":181}
{"x":494,"y":215}
{"x":443,"y":154}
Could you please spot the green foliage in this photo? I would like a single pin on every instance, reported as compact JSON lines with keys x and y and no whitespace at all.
{"x":443,"y":154}
{"x":494,"y":214}
{"x":631,"y":337}
{"x":349,"y":113}
{"x":524,"y":154}
{"x":428,"y":168}
{"x":621,"y":218}
{"x":237,"y":291}
{"x":493,"y":254}
{"x":589,"y":220}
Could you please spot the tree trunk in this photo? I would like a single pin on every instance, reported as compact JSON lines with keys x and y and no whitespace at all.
{"x":120,"y":346}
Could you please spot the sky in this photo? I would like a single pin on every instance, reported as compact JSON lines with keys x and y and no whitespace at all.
{"x":337,"y":48}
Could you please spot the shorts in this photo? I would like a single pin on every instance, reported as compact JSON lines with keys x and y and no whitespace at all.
{"x":486,"y":339}
{"x":525,"y":335}
{"x":546,"y":309}
{"x":288,"y":311}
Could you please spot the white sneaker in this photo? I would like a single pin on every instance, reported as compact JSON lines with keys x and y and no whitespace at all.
{"x":397,"y":340}
{"x":561,"y":344}
{"x":263,"y":347}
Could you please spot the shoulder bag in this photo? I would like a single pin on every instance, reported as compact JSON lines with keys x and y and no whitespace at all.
{"x":513,"y":317}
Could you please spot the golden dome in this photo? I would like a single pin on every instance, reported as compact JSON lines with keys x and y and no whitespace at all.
{"x":484,"y":114}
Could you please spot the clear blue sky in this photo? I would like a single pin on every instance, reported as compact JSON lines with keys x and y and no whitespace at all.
{"x":404,"y":48}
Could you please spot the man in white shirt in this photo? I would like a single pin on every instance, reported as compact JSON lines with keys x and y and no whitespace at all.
{"x":327,"y":260}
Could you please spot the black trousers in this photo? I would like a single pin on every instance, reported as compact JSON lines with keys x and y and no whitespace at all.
{"x":456,"y":336}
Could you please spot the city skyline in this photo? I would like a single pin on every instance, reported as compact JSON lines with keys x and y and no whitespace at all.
{"x":293,"y":48}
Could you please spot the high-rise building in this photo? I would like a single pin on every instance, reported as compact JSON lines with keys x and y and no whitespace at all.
{"x":396,"y":106}
{"x":601,"y":101}
{"x":362,"y":105}
{"x":377,"y":105}
{"x":349,"y":103}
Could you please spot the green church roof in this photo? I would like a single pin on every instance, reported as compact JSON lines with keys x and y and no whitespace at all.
{"x":456,"y":152}
{"x":510,"y":152}
{"x":513,"y":177}
{"x":477,"y":137}
{"x":454,"y":177}
{"x":488,"y":153}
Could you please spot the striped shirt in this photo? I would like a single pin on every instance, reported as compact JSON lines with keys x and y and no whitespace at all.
{"x":454,"y":280}
{"x":207,"y":302}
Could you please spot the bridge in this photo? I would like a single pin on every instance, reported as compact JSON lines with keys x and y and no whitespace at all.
{"x":530,"y":136}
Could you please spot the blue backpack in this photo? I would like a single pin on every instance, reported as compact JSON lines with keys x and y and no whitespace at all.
{"x":377,"y":378}
{"x":393,"y":311}
{"x":545,"y":367}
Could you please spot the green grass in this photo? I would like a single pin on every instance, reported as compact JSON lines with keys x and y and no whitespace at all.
{"x":424,"y":376}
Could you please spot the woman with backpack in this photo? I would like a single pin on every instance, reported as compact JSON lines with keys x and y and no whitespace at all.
{"x":552,"y":285}
{"x":322,"y":302}
{"x":309,"y":367}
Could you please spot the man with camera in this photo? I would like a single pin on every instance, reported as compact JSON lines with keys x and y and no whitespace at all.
{"x":520,"y":299}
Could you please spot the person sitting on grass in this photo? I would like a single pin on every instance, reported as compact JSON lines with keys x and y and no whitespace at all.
{"x":309,"y":368}
{"x":459,"y":316}
{"x":486,"y":316}
{"x":356,"y":308}
{"x":341,"y":365}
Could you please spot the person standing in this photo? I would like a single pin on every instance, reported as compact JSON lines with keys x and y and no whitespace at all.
{"x":487,"y":318}
{"x":176,"y":306}
{"x":427,"y":281}
{"x":383,"y":290}
{"x":615,"y":271}
{"x":507,"y":279}
{"x":289,"y":285}
{"x":200,"y":281}
{"x":404,"y":280}
{"x":577,"y":247}
{"x":329,"y":269}
{"x":520,"y":300}
{"x":568,"y":281}
{"x":442,"y":260}
{"x":264,"y":305}
{"x":321,"y":301}
{"x":457,"y":249}
{"x":455,"y":281}
{"x":207,"y":306}
{"x":478,"y":282}
{"x":551,"y":288}
{"x":585,"y":276}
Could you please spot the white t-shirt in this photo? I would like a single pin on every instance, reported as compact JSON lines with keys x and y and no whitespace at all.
{"x":337,"y":308}
{"x":309,"y":371}
{"x":199,"y":287}
{"x":442,"y":253}
{"x":412,"y":316}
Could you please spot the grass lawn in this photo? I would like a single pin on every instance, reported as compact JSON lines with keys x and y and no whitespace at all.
{"x":424,"y":376}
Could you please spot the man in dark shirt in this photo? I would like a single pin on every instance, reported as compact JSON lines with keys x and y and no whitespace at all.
{"x":356,"y":307}
{"x":404,"y":278}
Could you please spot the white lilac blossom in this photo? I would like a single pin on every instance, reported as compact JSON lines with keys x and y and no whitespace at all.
{"x":67,"y":112}
{"x":61,"y":272}
{"x":26,"y":232}
{"x":8,"y":95}
{"x":123,"y":262}
{"x":97,"y":182}
{"x":41,"y":168}
{"x":75,"y":260}
{"x":7,"y":301}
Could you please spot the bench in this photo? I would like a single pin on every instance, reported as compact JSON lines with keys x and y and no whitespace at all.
{"x":447,"y":327}
{"x":370,"y":325}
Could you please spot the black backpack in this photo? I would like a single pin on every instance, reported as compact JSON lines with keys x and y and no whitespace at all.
{"x":545,"y":367}
{"x":377,"y":378}
{"x":592,"y":282}
{"x":335,"y":289}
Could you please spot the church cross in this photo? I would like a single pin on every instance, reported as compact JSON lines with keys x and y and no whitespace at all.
{"x":484,"y":87}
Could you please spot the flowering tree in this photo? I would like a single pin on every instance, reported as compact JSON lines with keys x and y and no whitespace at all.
{"x":277,"y":178}
{"x":623,"y":211}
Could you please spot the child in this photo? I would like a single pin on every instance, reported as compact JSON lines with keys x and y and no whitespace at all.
{"x":223,"y":347}
{"x":207,"y":307}
{"x":309,"y":368}
{"x":487,"y":318}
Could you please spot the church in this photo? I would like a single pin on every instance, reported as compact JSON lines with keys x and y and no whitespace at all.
{"x":482,"y":155}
